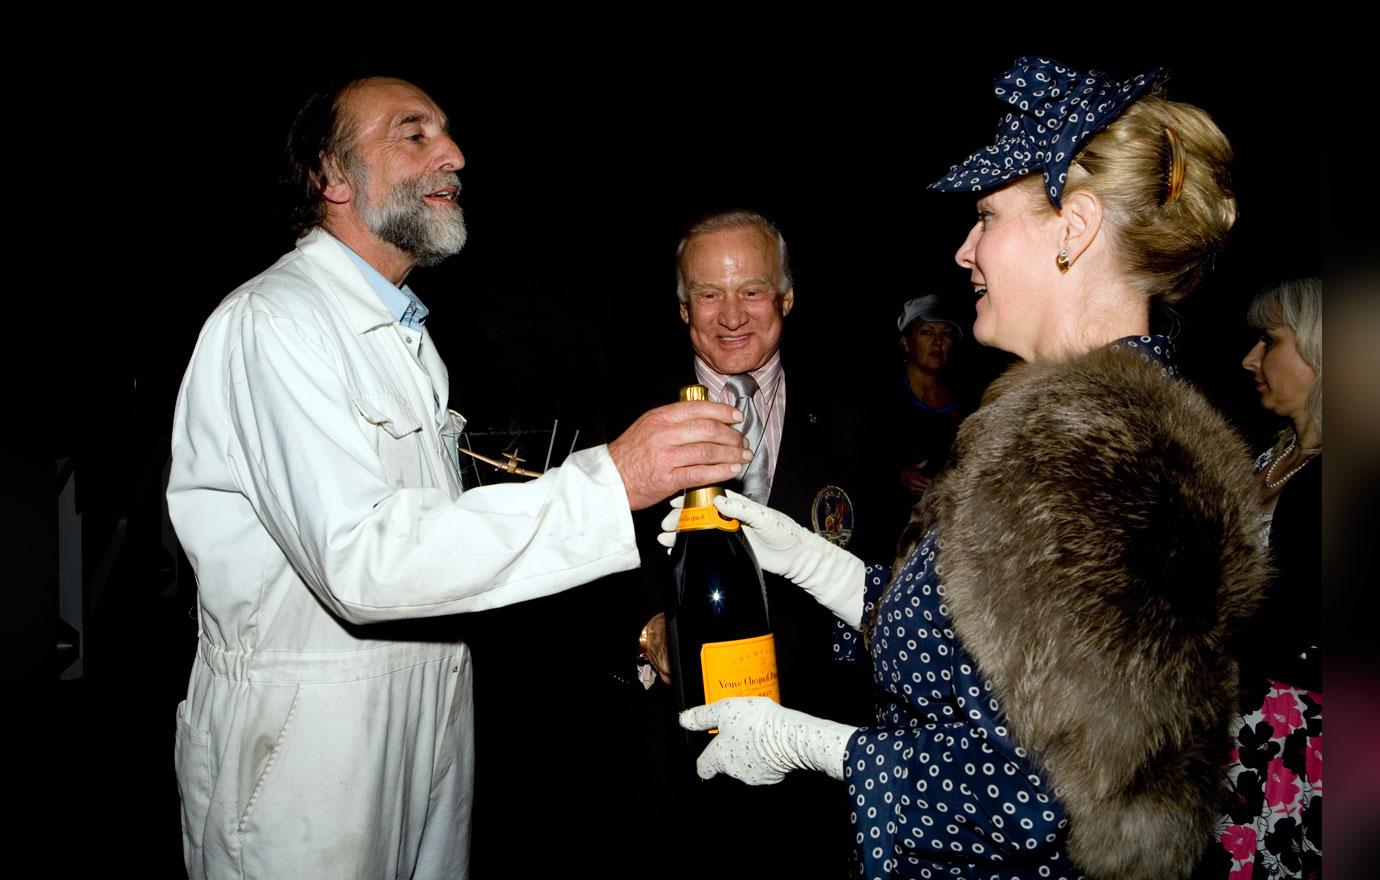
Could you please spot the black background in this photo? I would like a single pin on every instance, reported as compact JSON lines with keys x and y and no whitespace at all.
{"x":583,"y":167}
{"x":585,"y":160}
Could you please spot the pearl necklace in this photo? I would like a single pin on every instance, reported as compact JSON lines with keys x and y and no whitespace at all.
{"x":1270,"y":482}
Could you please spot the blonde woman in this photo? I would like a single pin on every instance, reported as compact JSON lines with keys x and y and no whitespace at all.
{"x":1054,"y":690}
{"x":1274,"y":815}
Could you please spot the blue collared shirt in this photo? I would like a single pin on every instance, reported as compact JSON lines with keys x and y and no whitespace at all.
{"x":402,"y":302}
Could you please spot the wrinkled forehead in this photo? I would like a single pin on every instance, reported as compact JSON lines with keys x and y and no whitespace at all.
{"x":379,"y":104}
{"x":746,"y":249}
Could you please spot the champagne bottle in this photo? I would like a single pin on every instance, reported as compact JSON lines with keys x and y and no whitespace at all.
{"x":721,"y":643}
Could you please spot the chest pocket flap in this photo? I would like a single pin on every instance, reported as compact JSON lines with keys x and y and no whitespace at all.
{"x":389,"y":413}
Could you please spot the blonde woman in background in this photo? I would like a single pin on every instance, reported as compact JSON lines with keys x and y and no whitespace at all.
{"x":1274,"y":816}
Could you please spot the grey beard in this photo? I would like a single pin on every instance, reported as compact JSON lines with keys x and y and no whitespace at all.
{"x":406,"y":222}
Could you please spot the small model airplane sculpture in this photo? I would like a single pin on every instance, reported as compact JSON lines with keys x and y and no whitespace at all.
{"x":508,"y":467}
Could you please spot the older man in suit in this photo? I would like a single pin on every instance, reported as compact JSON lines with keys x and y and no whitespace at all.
{"x":735,"y":292}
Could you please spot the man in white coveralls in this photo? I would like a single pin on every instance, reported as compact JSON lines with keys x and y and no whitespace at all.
{"x":315,"y":488}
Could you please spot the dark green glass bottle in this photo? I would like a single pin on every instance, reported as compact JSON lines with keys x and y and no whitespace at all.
{"x":719,"y":633}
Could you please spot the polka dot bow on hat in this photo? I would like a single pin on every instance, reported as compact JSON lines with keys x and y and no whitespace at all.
{"x":1056,"y":108}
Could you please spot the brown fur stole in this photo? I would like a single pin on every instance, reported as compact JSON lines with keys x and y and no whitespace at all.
{"x":1098,"y":544}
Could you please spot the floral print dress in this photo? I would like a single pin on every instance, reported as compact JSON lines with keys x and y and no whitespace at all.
{"x":1273,"y":822}
{"x":1273,"y":826}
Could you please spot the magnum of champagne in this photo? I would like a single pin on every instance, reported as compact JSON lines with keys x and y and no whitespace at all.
{"x":716,"y":621}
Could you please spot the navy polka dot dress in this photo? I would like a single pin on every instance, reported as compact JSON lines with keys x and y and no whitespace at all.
{"x":938,"y":787}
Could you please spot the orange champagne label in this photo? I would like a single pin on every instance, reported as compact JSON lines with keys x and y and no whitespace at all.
{"x":696,"y":518}
{"x":740,"y":668}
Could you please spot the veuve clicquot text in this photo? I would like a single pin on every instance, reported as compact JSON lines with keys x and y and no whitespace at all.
{"x":721,"y":643}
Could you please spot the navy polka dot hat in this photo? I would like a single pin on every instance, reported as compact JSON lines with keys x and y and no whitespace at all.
{"x":1056,"y":109}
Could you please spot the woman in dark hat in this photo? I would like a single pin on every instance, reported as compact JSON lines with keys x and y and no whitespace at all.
{"x":1050,"y":652}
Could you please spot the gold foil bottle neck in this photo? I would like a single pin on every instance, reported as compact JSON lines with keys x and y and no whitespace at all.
{"x":703,"y":497}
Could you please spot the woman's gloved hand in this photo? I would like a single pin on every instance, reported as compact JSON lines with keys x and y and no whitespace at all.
{"x":759,"y":741}
{"x":829,"y":573}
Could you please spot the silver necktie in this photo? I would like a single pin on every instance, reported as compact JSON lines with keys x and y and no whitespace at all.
{"x":754,"y":479}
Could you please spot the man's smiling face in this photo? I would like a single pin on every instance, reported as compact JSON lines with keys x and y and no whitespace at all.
{"x":733,"y":305}
{"x":402,"y":168}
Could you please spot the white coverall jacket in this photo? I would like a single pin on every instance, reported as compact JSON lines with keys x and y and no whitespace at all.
{"x":314,"y":488}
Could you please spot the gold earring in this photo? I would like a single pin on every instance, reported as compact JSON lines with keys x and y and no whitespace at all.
{"x":1062,"y":261}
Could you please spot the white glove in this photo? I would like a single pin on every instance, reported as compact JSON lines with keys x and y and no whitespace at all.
{"x":831,"y":574}
{"x":760,"y":741}
{"x":667,"y":538}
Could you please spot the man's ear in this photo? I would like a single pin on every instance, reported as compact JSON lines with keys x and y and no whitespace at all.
{"x":1082,"y":216}
{"x":685,"y":313}
{"x":785,"y":301}
{"x":335,"y":184}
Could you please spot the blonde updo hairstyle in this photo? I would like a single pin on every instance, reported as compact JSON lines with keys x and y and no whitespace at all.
{"x":1165,"y":239}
